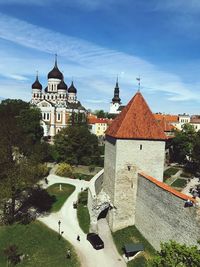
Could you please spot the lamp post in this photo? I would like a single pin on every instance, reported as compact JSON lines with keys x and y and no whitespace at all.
{"x":59,"y":223}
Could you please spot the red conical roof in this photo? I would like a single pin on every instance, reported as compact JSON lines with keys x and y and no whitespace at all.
{"x":136,"y":121}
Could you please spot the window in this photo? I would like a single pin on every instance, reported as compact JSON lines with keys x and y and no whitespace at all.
{"x":58,"y":117}
{"x":48,"y":116}
{"x":44,"y":116}
{"x":140,"y":147}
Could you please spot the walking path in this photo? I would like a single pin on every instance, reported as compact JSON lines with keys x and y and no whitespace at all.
{"x":193,"y":182}
{"x":89,"y":257}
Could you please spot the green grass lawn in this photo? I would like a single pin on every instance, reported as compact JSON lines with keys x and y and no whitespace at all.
{"x":186,"y":175}
{"x":83,"y":213}
{"x":181,"y":183}
{"x":132,"y":235}
{"x":40,"y":243}
{"x":169,"y":172}
{"x":81,"y":176}
{"x":61,"y":196}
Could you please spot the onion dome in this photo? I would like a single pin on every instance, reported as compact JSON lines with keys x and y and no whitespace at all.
{"x":55,"y":73}
{"x":46,"y":89}
{"x":37,"y":84}
{"x":72,"y":89}
{"x":62,"y":85}
{"x":116,"y":98}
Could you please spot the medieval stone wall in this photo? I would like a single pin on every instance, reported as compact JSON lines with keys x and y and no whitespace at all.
{"x":147,"y":155}
{"x":161,"y":216}
{"x":123,"y":159}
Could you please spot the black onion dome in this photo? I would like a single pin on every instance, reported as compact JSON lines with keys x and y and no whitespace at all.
{"x":37,"y":84}
{"x":55,"y":73}
{"x":46,"y":89}
{"x":72,"y":89}
{"x":62,"y":85}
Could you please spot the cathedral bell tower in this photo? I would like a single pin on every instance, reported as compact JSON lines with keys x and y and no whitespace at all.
{"x":116,"y":101}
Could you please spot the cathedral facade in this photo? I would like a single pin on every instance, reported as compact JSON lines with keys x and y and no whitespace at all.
{"x":58,"y":103}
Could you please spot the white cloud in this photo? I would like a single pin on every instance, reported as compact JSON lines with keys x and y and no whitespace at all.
{"x":179,"y":6}
{"x":86,"y":4}
{"x":95,"y":68}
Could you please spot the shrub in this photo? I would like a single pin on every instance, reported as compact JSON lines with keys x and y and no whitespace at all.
{"x":64,"y":169}
{"x":83,"y":197}
{"x":43,"y":170}
{"x":12,"y":254}
{"x":91,"y":168}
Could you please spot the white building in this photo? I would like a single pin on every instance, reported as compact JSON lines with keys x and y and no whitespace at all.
{"x":57,"y":102}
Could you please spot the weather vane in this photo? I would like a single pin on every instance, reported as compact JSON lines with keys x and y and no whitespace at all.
{"x":139,"y":80}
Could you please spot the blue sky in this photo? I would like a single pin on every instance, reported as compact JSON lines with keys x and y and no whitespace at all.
{"x":96,"y":40}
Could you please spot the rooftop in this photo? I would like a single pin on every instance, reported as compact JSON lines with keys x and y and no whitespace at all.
{"x":136,"y":121}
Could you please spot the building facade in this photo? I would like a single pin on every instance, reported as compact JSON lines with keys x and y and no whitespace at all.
{"x":58,"y":103}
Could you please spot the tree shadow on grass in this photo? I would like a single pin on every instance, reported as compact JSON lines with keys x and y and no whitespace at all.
{"x":37,"y":203}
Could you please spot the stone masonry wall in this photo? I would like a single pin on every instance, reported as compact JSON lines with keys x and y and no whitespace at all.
{"x":109,"y":174}
{"x":161,"y":216}
{"x":131,"y":156}
{"x":147,"y":155}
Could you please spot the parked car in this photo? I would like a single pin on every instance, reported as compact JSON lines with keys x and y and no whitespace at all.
{"x":95,"y":240}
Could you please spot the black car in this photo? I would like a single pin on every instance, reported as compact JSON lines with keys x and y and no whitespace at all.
{"x":95,"y":240}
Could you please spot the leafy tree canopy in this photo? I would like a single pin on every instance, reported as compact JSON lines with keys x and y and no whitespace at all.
{"x":183,"y":143}
{"x":20,"y":131}
{"x":76,"y":145}
{"x":173,"y":254}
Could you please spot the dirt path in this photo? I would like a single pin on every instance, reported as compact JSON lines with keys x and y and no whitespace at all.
{"x":89,"y":257}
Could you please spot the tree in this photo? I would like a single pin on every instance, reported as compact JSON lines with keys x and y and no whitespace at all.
{"x":196,"y":152}
{"x":100,"y":113}
{"x":76,"y":145}
{"x":183,"y":143}
{"x":20,"y":131}
{"x":64,"y":169}
{"x":173,"y":254}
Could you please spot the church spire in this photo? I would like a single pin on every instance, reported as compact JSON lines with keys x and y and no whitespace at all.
{"x":116,"y":98}
{"x":56,"y":60}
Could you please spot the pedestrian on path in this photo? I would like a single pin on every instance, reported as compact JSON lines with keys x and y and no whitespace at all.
{"x":78,"y":237}
{"x":68,"y":254}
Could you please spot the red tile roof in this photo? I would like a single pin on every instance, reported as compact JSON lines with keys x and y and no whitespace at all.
{"x":165,"y":125}
{"x":92,"y":120}
{"x":136,"y":121}
{"x":167,"y":187}
{"x":169,"y":118}
{"x":195,"y":119}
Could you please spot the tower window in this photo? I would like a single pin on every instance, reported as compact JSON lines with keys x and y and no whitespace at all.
{"x":140,"y":147}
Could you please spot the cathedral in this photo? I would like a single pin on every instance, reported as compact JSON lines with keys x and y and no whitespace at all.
{"x":57,"y":102}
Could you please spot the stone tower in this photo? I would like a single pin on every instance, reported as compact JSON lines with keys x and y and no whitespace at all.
{"x":134,"y":141}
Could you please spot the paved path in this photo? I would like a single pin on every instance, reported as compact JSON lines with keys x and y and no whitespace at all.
{"x":193,"y":182}
{"x":89,"y":257}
